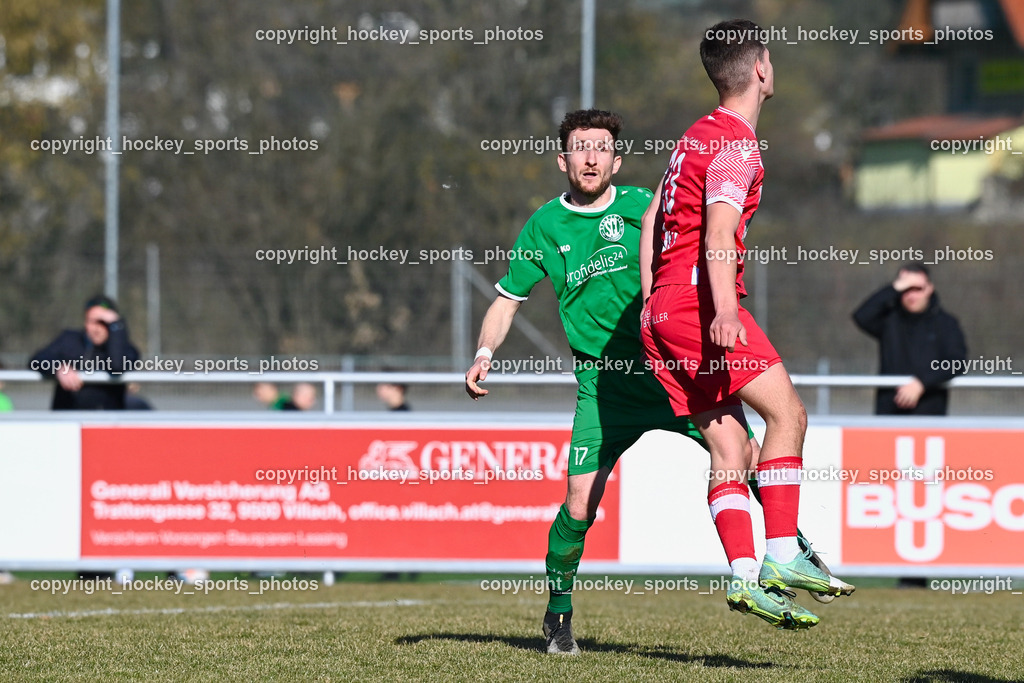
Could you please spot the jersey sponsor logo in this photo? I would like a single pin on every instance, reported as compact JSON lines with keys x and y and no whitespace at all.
{"x":564,"y":248}
{"x":612,"y":227}
{"x":603,"y":261}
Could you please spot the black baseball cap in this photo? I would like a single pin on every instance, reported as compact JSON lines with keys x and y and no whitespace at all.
{"x":103,"y":301}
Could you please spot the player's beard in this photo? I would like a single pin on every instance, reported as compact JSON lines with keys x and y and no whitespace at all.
{"x":591,"y":195}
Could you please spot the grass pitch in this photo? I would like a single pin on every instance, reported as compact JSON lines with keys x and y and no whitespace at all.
{"x":457,"y":631}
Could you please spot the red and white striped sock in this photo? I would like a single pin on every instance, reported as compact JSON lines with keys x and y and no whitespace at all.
{"x":730,"y":510}
{"x":778,"y":481}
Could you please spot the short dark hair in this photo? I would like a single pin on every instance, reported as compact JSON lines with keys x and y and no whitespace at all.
{"x":915,"y":267}
{"x":103,"y":301}
{"x":401,"y":385}
{"x":586,"y":119}
{"x":728,"y":50}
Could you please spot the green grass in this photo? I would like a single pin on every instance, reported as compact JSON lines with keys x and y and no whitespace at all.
{"x":456,"y":631}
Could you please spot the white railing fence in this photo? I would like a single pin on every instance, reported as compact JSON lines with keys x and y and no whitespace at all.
{"x":331,"y":381}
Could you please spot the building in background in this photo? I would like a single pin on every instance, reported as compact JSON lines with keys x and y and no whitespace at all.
{"x":945,"y":161}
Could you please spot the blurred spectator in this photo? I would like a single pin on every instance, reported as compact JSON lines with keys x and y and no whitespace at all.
{"x":393,"y":395}
{"x":103,"y":345}
{"x":267,"y":394}
{"x":913,"y":332}
{"x":303,"y":397}
{"x":133,"y":399}
{"x":6,"y":405}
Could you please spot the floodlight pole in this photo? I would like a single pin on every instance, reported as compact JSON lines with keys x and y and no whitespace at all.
{"x":587,"y":55}
{"x":113,"y":154}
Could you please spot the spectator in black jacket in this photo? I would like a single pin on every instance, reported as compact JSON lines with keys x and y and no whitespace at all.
{"x":914,"y":333}
{"x":102,"y":345}
{"x":392,"y":395}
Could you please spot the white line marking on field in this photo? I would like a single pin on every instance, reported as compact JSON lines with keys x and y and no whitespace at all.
{"x":110,"y":612}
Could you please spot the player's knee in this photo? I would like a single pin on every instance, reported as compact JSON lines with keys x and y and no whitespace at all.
{"x":731,"y":457}
{"x":578,"y":510}
{"x":801,"y":416}
{"x":584,"y":494}
{"x":795,"y":418}
{"x":790,"y":415}
{"x":735,"y":463}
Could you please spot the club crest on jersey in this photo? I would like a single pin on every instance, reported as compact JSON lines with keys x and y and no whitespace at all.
{"x":612,"y":227}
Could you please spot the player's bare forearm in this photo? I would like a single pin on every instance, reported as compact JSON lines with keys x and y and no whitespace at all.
{"x":497,"y":322}
{"x":650,"y":226}
{"x":720,"y":242}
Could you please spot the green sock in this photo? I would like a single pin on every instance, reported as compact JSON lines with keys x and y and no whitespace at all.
{"x":565,"y":548}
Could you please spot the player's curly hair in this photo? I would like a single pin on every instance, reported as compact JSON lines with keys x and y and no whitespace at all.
{"x":586,"y":119}
{"x":728,"y":51}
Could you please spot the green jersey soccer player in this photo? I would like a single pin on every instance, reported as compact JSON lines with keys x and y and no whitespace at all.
{"x":587,"y":243}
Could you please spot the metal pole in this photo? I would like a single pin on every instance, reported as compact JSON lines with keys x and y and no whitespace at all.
{"x":460,"y":315}
{"x":348,"y":396}
{"x":761,"y":294}
{"x":153,"y":298}
{"x":824,"y":392}
{"x":329,"y":396}
{"x":113,"y":132}
{"x":587,"y":32}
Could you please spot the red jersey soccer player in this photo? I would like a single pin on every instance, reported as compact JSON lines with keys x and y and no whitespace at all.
{"x":692,"y":278}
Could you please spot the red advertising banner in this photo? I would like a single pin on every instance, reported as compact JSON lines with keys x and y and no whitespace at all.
{"x":933,"y":496}
{"x":390,"y":493}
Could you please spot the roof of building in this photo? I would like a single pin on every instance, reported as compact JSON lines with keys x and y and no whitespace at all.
{"x":943,"y":127}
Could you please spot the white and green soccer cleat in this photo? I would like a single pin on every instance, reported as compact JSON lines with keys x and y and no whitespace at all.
{"x":771,"y":604}
{"x":840,"y":586}
{"x":800,"y":572}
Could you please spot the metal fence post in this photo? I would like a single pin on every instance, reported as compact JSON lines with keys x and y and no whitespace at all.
{"x":348,"y":396}
{"x":824,"y":391}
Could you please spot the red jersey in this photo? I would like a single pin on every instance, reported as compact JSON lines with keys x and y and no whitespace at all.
{"x":717,"y":160}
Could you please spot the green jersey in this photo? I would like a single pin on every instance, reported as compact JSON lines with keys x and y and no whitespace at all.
{"x":592,"y":256}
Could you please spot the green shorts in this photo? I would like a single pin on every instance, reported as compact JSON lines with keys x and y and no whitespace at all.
{"x":613,"y":410}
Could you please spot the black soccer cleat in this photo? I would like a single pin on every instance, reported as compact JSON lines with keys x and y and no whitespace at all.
{"x":558,"y":631}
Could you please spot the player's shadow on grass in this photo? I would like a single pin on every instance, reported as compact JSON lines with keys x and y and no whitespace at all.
{"x":535,"y":644}
{"x":948,"y":676}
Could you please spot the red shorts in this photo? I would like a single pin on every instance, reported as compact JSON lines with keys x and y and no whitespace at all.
{"x":698,"y":374}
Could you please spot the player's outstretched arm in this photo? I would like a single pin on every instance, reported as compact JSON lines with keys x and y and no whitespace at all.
{"x":650,"y":226}
{"x":726,"y":328}
{"x":496,"y":325}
